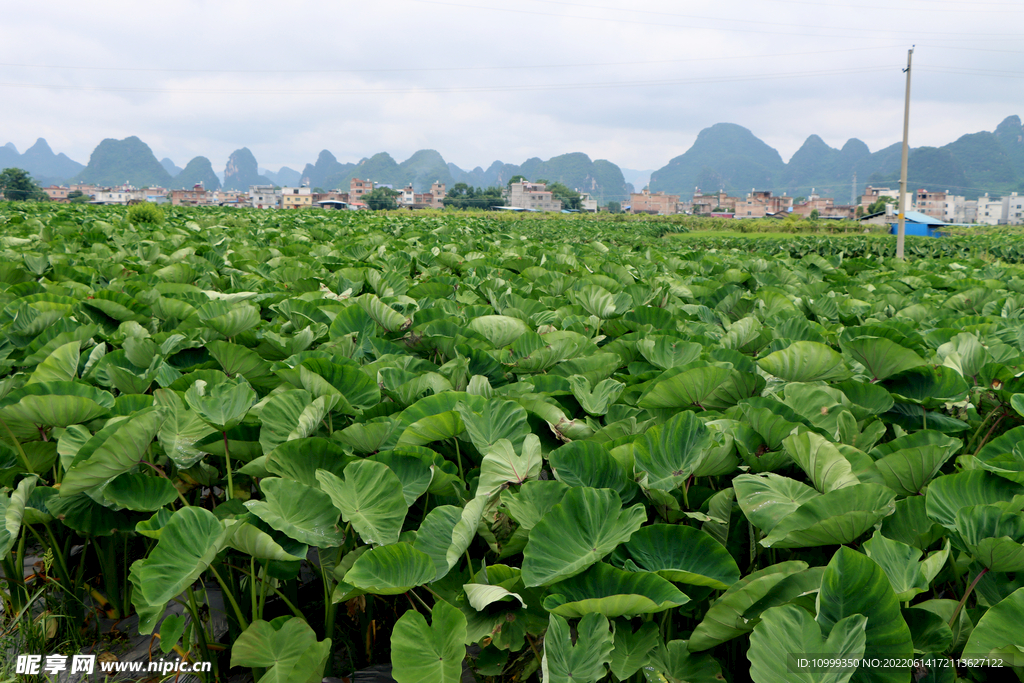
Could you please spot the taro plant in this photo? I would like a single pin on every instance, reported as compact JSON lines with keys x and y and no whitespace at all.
{"x":511,"y":448}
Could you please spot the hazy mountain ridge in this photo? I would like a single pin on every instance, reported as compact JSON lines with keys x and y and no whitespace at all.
{"x":115,"y":162}
{"x":725,"y":155}
{"x":242,"y":171}
{"x":199,"y":170}
{"x":730,"y":157}
{"x":41,"y":162}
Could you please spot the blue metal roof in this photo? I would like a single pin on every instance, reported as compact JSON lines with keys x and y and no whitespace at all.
{"x":918,"y":217}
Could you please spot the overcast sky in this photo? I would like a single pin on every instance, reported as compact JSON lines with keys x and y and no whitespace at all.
{"x":480,"y":80}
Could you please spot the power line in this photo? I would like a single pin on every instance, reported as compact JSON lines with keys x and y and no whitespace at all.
{"x":455,"y":89}
{"x":845,"y":30}
{"x":454,"y":68}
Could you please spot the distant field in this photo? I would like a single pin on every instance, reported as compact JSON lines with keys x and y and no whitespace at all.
{"x":704,"y":234}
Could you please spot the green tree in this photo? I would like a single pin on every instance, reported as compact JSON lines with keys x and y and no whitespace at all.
{"x":815,"y":215}
{"x":381,"y":199}
{"x":516,"y":179}
{"x":879,"y":205}
{"x":614,"y":207}
{"x":462,"y":196}
{"x":570,"y":198}
{"x":17,"y":185}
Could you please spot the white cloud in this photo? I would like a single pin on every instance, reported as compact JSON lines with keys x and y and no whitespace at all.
{"x":480,"y":80}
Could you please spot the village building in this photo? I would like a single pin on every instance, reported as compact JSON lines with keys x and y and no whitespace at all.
{"x":657,"y":203}
{"x":197,"y":196}
{"x":532,"y":196}
{"x":296,"y":198}
{"x":264,"y":197}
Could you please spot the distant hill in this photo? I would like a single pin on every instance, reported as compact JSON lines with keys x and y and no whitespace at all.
{"x":286,"y":177}
{"x":114,"y":162}
{"x":242,"y":171}
{"x":724,"y":156}
{"x":170,"y":167}
{"x":199,"y":170}
{"x":601,"y":178}
{"x":730,"y":157}
{"x":1010,"y":134}
{"x":327,"y":173}
{"x":41,"y":163}
{"x":638,"y":179}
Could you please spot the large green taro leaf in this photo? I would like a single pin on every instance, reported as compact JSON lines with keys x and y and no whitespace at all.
{"x":391,"y":569}
{"x":583,"y":662}
{"x":111,"y":452}
{"x":229,"y":318}
{"x":666,"y":455}
{"x":385,"y":316}
{"x":787,"y":633}
{"x":181,"y":429}
{"x":298,"y":511}
{"x":948,"y":493}
{"x":768,"y":498}
{"x":435,"y":536}
{"x":56,"y":404}
{"x":854,"y":584}
{"x":685,"y":386}
{"x":901,"y":563}
{"x":299,"y":459}
{"x":673,"y":662}
{"x":291,"y":415}
{"x":370,"y":499}
{"x":12,"y":508}
{"x":839,"y":516}
{"x":59,"y":366}
{"x":289,"y":651}
{"x":140,"y":492}
{"x":354,"y":389}
{"x":910,"y":523}
{"x":725,"y":619}
{"x":993,"y":537}
{"x":927,"y":384}
{"x":254,"y":538}
{"x":908,"y":470}
{"x":633,"y":650}
{"x":502,"y":467}
{"x":429,"y":654}
{"x":499,"y":330}
{"x":667,"y":352}
{"x":881,"y":357}
{"x":584,"y":527}
{"x":684,"y":555}
{"x":494,"y":420}
{"x":188,"y":544}
{"x":997,"y":634}
{"x":414,"y":471}
{"x":613,"y":593}
{"x":806,"y":361}
{"x":596,"y":400}
{"x":585,"y":463}
{"x":223,"y":405}
{"x":821,"y":460}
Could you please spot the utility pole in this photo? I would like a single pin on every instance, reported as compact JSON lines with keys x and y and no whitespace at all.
{"x":901,"y":226}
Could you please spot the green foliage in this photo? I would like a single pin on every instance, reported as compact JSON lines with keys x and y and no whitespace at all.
{"x":145,"y":213}
{"x":462,"y":196}
{"x":381,"y":199}
{"x":17,"y":185}
{"x":570,"y":440}
{"x":570,"y":198}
